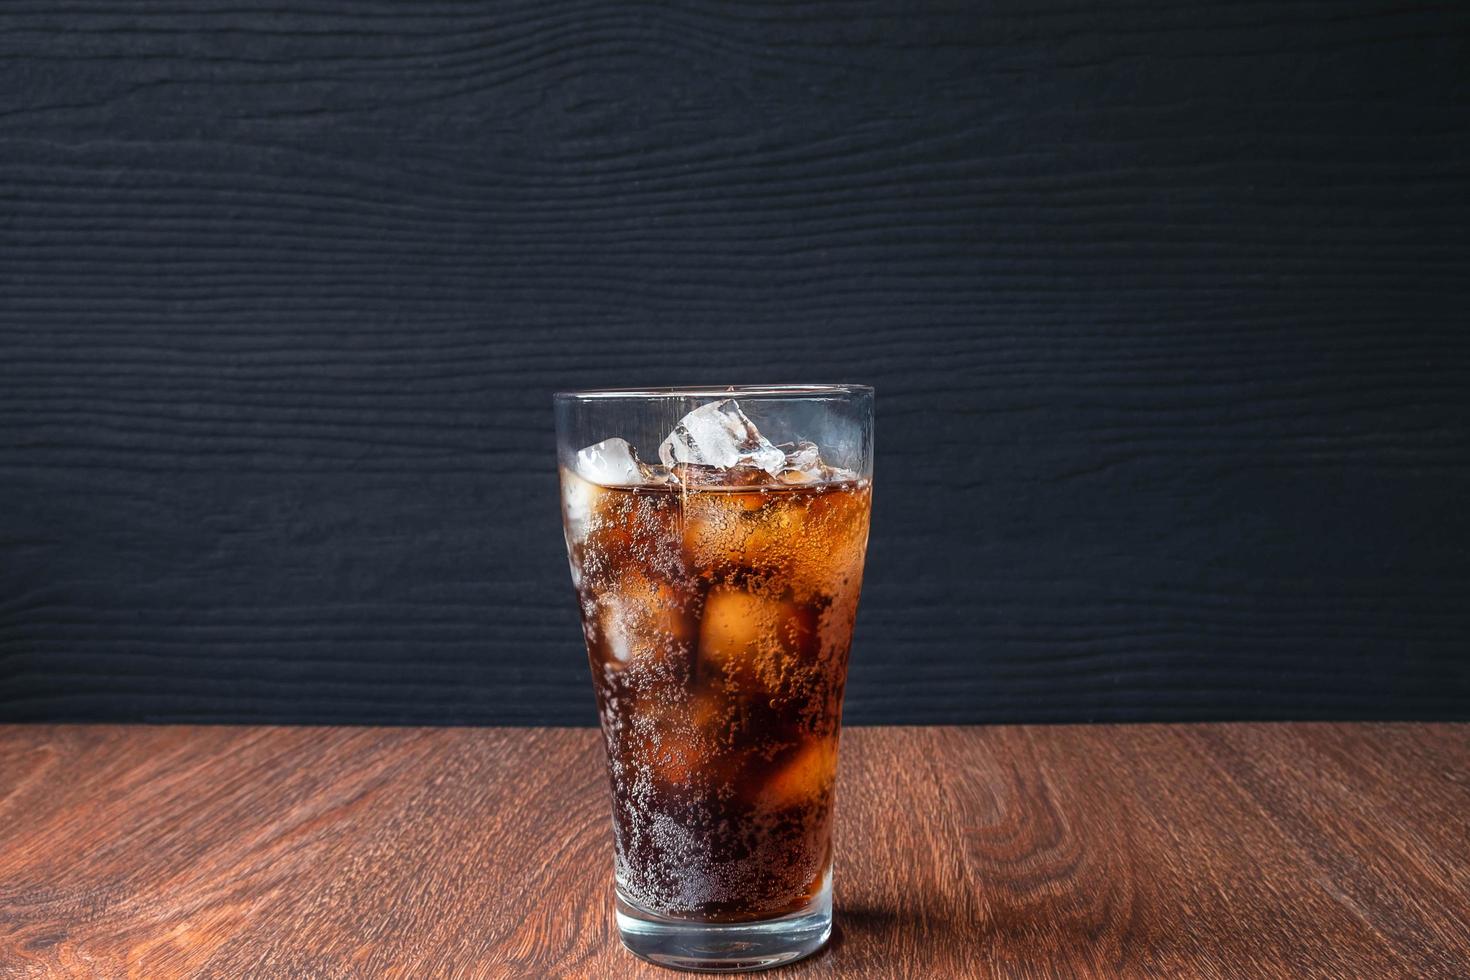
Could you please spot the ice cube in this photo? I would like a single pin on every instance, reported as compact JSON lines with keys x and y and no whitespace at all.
{"x":578,"y":499}
{"x":676,"y":760}
{"x":611,"y":463}
{"x":718,"y":434}
{"x":643,"y":619}
{"x":801,"y":455}
{"x":803,"y":463}
{"x":837,"y":474}
{"x":805,"y":777}
{"x":753,"y":641}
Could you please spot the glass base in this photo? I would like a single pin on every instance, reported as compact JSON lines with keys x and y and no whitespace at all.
{"x":727,"y":947}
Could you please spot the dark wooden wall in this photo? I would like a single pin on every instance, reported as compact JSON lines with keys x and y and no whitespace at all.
{"x":1165,"y":306}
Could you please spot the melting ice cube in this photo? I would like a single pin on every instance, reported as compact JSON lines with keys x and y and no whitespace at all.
{"x":611,"y":463}
{"x":718,"y":434}
{"x":803,"y":463}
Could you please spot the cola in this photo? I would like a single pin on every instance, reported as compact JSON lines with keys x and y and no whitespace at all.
{"x":718,"y":604}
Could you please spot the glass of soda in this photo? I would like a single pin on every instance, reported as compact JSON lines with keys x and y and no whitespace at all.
{"x":716,"y":540}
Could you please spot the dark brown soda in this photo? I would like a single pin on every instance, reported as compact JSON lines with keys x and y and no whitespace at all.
{"x":718,"y":622}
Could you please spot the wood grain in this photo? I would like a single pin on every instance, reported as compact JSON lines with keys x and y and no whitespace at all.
{"x":1213,"y":851}
{"x":1164,"y":304}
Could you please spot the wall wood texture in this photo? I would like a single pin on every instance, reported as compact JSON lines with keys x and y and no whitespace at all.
{"x":1165,"y":305}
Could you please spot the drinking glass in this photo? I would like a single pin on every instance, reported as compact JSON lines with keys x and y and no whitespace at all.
{"x":716,"y":539}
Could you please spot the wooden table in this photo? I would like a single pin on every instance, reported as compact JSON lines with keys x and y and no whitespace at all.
{"x":1135,"y":851}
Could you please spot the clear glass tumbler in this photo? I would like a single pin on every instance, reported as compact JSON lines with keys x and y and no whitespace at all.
{"x":716,"y":539}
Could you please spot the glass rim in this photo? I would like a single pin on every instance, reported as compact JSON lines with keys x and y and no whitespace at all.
{"x":716,"y":391}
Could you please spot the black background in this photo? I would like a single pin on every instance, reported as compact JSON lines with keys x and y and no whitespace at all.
{"x":1165,"y":306}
